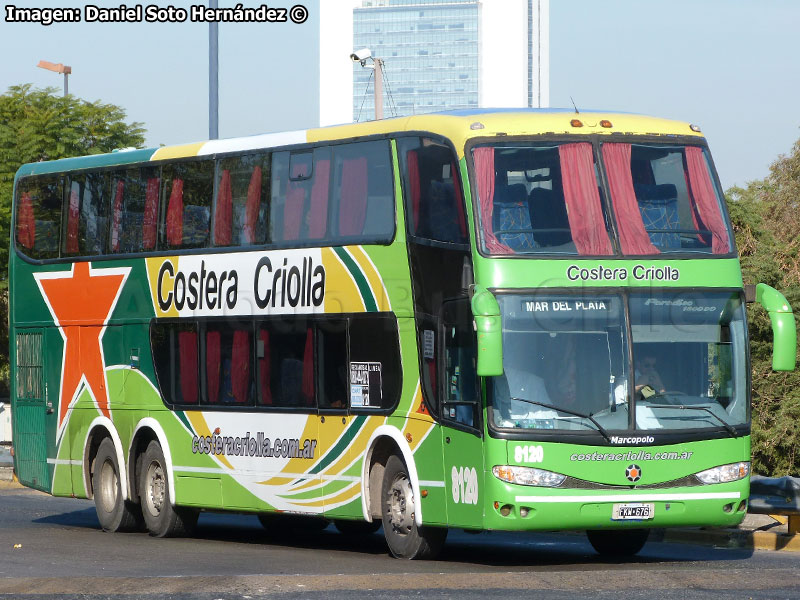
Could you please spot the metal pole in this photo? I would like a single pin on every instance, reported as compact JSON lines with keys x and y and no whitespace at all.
{"x":378,"y":89}
{"x":66,"y":84}
{"x":213,"y":76}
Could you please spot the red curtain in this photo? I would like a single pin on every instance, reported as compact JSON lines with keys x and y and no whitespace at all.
{"x":705,"y":199}
{"x":187,"y":344}
{"x":263,"y":368}
{"x":632,"y":234}
{"x":116,"y":216}
{"x":72,"y":223}
{"x":484,"y":174}
{"x":240,"y":366}
{"x":293,"y":210}
{"x":584,"y":209}
{"x":175,"y":214}
{"x":26,"y":223}
{"x":353,"y":203}
{"x":413,"y":179}
{"x":308,"y":367}
{"x":459,"y":202}
{"x":224,"y":211}
{"x":253,"y":206}
{"x":150,"y":218}
{"x":213,"y":363}
{"x":319,"y":200}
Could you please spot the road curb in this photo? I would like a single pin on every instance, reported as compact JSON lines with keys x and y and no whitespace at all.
{"x":6,"y":473}
{"x":735,"y":538}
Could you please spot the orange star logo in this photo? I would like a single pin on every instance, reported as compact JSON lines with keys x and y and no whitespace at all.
{"x":81,"y":301}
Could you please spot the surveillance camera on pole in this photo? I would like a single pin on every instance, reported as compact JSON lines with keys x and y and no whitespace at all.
{"x":362,"y":56}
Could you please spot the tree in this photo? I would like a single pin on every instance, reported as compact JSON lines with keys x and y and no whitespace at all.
{"x":766,"y":221}
{"x":37,"y":125}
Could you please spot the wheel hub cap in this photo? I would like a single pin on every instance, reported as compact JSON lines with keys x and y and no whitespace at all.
{"x":401,"y":505}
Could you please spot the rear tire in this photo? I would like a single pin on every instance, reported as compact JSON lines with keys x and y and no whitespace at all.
{"x":357,"y":528}
{"x":618,"y":543}
{"x":114,"y":512}
{"x":404,"y":538}
{"x":161,"y":518}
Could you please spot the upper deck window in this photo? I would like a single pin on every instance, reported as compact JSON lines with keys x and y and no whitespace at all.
{"x":540,"y":198}
{"x":665,"y":199}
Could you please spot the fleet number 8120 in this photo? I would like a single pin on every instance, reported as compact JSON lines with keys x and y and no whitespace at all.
{"x":529,"y":454}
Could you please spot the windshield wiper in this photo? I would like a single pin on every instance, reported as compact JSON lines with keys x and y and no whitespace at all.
{"x":725,"y":424}
{"x":569,"y":412}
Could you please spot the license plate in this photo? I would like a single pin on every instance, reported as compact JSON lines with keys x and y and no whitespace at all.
{"x":635,"y":511}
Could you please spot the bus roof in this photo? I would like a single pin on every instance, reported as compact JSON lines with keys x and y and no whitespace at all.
{"x":458,"y":125}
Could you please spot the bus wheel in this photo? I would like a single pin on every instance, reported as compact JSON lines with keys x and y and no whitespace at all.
{"x":616,"y":543}
{"x":114,"y":512}
{"x":161,"y":518}
{"x":357,"y":528}
{"x":404,"y":538}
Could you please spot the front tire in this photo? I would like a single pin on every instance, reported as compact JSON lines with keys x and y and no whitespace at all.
{"x":404,"y":538}
{"x":617,"y":543}
{"x":161,"y":518}
{"x":114,"y":512}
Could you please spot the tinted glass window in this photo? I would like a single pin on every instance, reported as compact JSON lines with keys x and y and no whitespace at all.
{"x":564,"y":357}
{"x":299,"y":211}
{"x":363,"y":192}
{"x":175,"y":355}
{"x":690,"y":360}
{"x":228,"y":362}
{"x":434,"y":204}
{"x":332,"y":359}
{"x":87,"y":225}
{"x":285,"y":354}
{"x":39,"y":203}
{"x":242,"y":207}
{"x":134,"y":209}
{"x":375,"y":367}
{"x":665,"y":199}
{"x":187,"y":192}
{"x":542,"y":198}
{"x":461,"y":400}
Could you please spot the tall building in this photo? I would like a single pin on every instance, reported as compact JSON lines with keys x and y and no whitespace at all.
{"x":452,"y":54}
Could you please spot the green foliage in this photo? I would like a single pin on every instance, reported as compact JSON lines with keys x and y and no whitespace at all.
{"x":41,"y":124}
{"x":766,"y":221}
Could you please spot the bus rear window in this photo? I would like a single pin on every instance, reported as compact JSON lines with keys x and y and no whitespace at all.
{"x":38,"y":223}
{"x":542,"y":198}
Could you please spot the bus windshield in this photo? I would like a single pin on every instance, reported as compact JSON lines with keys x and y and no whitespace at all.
{"x":561,"y":352}
{"x":548,"y":198}
{"x":566,"y":357}
{"x":690,"y":359}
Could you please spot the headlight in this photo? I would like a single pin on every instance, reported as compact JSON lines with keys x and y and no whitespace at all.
{"x":725,"y":473}
{"x":528,"y":476}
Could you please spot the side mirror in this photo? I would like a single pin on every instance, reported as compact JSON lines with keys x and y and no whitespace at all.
{"x":784,"y":331}
{"x":486,"y":312}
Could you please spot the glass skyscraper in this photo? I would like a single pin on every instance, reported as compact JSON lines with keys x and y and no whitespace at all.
{"x":448,"y":54}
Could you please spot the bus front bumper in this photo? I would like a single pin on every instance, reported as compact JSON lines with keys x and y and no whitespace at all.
{"x":517,"y":508}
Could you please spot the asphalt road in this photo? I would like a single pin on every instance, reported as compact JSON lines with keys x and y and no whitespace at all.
{"x":62,"y":553}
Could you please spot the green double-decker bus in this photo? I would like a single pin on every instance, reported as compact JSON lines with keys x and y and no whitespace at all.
{"x":490,"y":320}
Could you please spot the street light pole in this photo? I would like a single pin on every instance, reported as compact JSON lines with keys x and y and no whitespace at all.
{"x":57,"y":68}
{"x":213,"y":76}
{"x":378,"y":88}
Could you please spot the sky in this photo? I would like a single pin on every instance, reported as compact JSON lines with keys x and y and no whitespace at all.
{"x":730,"y":66}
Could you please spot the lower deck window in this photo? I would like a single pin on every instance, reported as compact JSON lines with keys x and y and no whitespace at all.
{"x":299,"y":363}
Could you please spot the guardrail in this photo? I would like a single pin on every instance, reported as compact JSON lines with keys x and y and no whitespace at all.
{"x":777,"y":497}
